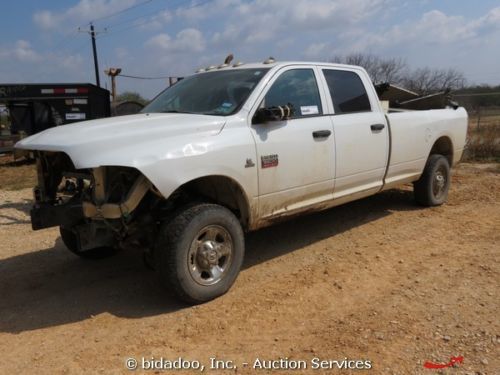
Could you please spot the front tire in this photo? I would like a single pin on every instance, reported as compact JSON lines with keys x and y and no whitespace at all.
{"x":432,"y":187}
{"x":199,"y":252}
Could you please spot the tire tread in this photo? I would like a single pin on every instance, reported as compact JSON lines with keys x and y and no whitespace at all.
{"x":422,"y":188}
{"x":166,"y":247}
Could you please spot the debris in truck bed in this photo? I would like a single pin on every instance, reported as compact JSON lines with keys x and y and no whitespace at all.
{"x":401,"y":98}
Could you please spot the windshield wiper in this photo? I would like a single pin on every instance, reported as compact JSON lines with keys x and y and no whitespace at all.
{"x":175,"y":111}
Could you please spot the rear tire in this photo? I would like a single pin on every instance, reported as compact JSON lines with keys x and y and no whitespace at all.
{"x":432,"y":187}
{"x":199,"y":252}
{"x":70,"y":241}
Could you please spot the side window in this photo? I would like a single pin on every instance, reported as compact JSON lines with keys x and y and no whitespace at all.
{"x":347,"y":91}
{"x":299,"y":88}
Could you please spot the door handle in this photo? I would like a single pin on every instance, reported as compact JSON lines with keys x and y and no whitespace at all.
{"x":321,"y":133}
{"x":377,"y":127}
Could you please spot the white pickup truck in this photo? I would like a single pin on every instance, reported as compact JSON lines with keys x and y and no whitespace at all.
{"x":228,"y":150}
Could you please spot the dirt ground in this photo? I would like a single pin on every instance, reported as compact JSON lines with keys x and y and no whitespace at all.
{"x":380,"y":279}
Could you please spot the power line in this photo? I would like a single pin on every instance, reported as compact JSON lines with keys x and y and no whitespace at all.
{"x":64,"y":41}
{"x":138,"y":17}
{"x":70,"y":37}
{"x":147,"y":20}
{"x":138,"y":77}
{"x":120,"y":11}
{"x":72,"y":33}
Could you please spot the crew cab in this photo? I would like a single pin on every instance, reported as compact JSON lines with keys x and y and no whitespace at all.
{"x":229,"y":150}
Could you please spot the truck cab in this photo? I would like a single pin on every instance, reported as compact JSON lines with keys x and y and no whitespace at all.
{"x":335,"y":143}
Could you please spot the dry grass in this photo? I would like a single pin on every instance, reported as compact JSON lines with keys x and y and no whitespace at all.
{"x":483,"y":141}
{"x":15,"y":175}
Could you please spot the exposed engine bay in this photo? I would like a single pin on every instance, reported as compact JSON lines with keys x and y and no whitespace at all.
{"x":102,"y":206}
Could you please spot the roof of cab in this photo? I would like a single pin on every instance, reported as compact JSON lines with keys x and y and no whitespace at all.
{"x":257,"y":65}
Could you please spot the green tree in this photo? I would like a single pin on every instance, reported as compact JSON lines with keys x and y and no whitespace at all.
{"x":131,"y":96}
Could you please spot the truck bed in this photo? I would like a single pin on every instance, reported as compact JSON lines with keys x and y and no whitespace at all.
{"x":412,"y":134}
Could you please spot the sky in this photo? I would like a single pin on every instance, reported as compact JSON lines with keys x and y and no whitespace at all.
{"x":41,"y":40}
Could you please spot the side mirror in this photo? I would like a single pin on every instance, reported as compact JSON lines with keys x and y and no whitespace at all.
{"x":278,"y":113}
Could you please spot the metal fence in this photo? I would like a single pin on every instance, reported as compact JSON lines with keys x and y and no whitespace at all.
{"x":483,"y":136}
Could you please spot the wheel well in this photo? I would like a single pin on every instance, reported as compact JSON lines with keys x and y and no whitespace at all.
{"x":443,"y":146}
{"x":221,"y":190}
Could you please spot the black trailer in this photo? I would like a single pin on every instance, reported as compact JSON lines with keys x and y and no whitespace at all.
{"x":36,"y":107}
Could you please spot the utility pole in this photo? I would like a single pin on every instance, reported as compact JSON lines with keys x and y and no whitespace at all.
{"x":113,"y":72}
{"x":94,"y":49}
{"x":93,"y":33}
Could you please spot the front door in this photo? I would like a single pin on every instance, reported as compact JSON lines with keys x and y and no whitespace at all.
{"x":295,"y":156}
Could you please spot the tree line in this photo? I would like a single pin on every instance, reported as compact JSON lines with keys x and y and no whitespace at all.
{"x":396,"y":71}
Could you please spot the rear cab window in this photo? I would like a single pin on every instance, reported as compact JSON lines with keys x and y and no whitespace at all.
{"x":347,"y":91}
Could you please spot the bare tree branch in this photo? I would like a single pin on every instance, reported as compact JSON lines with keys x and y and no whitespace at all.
{"x":380,"y":70}
{"x":396,"y":71}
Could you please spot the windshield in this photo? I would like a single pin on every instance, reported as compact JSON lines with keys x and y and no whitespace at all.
{"x":214,"y":93}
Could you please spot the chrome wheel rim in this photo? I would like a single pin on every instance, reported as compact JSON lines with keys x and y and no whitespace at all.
{"x":439,"y":182}
{"x":210,"y":255}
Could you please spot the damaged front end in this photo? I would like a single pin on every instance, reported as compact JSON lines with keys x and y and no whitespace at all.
{"x":102,"y":207}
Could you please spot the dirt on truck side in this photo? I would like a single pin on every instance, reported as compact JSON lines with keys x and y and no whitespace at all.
{"x":380,"y":279}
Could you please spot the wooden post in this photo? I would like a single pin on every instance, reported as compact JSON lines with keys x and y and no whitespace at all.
{"x":478,"y":117}
{"x":113,"y":72}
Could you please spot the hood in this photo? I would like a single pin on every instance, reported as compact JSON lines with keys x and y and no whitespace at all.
{"x":85,"y":141}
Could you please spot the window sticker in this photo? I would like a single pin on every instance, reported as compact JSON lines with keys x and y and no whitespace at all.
{"x":309,"y":110}
{"x":226,"y":105}
{"x":75,"y":116}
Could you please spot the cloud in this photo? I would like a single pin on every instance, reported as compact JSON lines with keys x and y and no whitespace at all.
{"x":435,"y":27}
{"x":22,"y":55}
{"x":317,"y":50}
{"x":193,"y":13}
{"x":71,"y":63}
{"x":273,"y":21}
{"x":21,"y":51}
{"x":45,"y":20}
{"x":187,"y":40}
{"x":157,"y":21}
{"x":321,"y":13}
{"x":83,"y":11}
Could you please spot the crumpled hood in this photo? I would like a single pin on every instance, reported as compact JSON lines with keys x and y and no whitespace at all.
{"x":125,"y":140}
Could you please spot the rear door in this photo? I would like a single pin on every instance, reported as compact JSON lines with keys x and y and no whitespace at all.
{"x":361,"y":132}
{"x":295,"y":157}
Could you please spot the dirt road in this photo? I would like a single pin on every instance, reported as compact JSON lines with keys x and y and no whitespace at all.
{"x":380,"y":280}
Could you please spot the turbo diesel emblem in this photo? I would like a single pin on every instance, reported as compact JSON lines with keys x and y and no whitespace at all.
{"x":269,"y":161}
{"x":249,"y":163}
